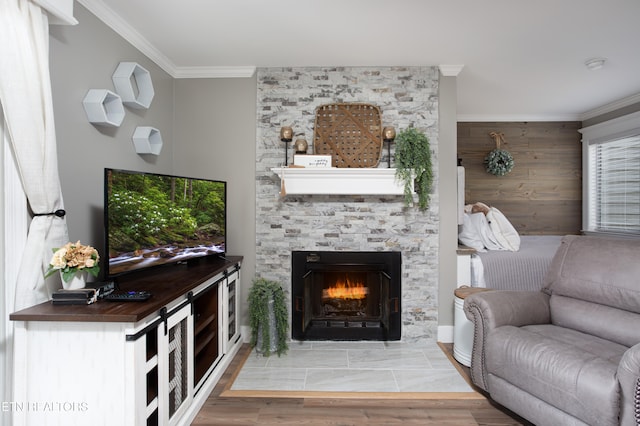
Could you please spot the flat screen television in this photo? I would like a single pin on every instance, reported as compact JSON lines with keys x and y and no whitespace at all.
{"x":155,"y":219}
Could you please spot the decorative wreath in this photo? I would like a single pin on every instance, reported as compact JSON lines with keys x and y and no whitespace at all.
{"x":498,"y":162}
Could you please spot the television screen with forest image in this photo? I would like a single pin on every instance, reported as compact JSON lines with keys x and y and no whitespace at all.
{"x":154,"y":219}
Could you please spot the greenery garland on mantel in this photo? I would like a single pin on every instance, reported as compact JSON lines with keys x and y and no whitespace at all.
{"x":498,"y":162}
{"x":413,"y":163}
{"x":261,"y":293}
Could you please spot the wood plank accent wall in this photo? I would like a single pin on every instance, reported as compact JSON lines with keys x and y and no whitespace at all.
{"x":542,"y":195}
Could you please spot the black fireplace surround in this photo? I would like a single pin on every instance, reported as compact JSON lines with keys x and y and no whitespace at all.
{"x":339,"y":295}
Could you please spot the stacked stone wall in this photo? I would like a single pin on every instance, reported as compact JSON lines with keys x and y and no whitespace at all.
{"x":407,"y":96}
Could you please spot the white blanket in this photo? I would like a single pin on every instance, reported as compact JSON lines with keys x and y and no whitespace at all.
{"x":492,"y":231}
{"x":476,"y":233}
{"x":507,"y":236}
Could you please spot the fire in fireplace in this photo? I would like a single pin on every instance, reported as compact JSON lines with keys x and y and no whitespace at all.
{"x":346,"y":295}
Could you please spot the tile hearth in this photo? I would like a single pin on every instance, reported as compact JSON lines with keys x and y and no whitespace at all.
{"x":326,"y":366}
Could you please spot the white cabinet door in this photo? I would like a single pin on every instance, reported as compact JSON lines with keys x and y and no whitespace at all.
{"x":175,"y":353}
{"x":231,"y":300}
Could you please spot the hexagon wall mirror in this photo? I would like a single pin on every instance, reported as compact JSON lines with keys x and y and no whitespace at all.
{"x":103,"y":107}
{"x":147,"y":140}
{"x":133,"y":84}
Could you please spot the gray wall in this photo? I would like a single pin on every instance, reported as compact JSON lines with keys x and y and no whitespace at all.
{"x":207,"y":127}
{"x":448,"y":189}
{"x":215,"y":138}
{"x":84,"y":57}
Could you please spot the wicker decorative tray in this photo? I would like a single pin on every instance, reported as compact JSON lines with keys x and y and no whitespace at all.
{"x":350,"y":132}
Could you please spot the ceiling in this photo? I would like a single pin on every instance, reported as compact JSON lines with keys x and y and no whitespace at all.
{"x":522,"y":60}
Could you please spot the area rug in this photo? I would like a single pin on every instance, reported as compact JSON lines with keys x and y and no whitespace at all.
{"x":372,"y":370}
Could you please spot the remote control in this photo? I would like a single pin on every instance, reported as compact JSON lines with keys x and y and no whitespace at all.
{"x":128,"y":296}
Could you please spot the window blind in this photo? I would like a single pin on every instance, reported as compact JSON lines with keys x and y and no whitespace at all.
{"x":615,"y":186}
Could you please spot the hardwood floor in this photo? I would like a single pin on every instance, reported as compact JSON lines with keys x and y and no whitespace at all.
{"x":219,"y":410}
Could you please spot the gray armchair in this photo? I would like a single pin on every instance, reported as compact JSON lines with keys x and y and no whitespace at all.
{"x":569,"y":355}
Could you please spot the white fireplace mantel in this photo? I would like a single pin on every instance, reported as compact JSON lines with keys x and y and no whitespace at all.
{"x":354,"y":181}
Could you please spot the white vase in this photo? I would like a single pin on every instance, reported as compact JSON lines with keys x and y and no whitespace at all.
{"x":78,"y":280}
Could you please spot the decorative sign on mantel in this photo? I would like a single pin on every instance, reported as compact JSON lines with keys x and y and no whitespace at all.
{"x":323,"y":161}
{"x":341,"y":181}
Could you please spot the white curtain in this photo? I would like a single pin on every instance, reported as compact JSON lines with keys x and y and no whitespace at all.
{"x":25,"y":97}
{"x":13,"y":231}
{"x":29,"y":160}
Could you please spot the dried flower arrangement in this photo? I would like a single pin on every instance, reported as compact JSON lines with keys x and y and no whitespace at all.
{"x":72,"y":258}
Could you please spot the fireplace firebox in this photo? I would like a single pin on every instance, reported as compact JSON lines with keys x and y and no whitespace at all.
{"x":346,"y":295}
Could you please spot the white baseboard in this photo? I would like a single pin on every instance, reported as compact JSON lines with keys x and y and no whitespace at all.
{"x":445,"y":333}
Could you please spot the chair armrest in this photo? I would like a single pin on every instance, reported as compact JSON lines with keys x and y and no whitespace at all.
{"x":629,"y":379}
{"x":492,"y":309}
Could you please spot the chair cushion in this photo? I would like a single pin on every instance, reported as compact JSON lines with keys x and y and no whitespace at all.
{"x":597,"y":269}
{"x":567,"y":369}
{"x":603,"y":321}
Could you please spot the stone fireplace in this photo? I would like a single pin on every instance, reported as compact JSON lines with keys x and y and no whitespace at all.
{"x":341,"y":223}
{"x":346,"y":295}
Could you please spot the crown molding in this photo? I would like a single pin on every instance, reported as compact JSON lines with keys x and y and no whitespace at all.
{"x":468,"y":118}
{"x":610,"y":107}
{"x":215,"y":72}
{"x":450,"y":70}
{"x":126,"y":31}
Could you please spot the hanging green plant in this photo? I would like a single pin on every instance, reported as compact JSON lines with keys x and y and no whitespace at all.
{"x":413,"y":164}
{"x":498,"y":162}
{"x":261,"y":294}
